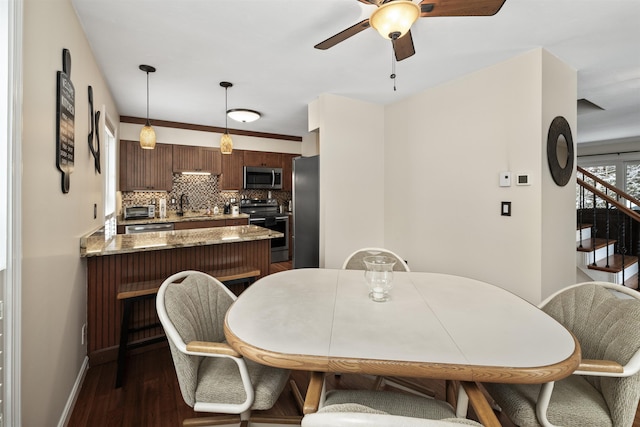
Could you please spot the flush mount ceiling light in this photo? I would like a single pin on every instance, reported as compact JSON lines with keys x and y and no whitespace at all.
{"x":147,"y":134}
{"x":226,"y":144}
{"x":243,"y":115}
{"x":394,"y":19}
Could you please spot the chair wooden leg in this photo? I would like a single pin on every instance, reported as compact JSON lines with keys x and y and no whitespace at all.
{"x":218,"y":420}
{"x":407,"y":385}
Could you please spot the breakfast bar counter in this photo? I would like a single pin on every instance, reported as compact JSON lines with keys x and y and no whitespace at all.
{"x":95,"y":245}
{"x":130,"y":259}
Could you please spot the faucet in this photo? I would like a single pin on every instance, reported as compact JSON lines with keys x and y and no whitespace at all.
{"x":183,"y":200}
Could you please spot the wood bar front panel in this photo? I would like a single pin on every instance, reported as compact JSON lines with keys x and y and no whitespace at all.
{"x":106,"y":273}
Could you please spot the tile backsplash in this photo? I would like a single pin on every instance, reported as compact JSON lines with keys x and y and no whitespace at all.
{"x":202,"y":192}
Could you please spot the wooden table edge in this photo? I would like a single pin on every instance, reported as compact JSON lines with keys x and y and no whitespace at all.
{"x":441,"y":371}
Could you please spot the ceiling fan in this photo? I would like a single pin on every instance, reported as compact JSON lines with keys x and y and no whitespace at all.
{"x":393,"y":19}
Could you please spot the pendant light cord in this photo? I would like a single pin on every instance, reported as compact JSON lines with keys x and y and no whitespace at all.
{"x":393,"y":66}
{"x":148,"y":99}
{"x":226,"y":118}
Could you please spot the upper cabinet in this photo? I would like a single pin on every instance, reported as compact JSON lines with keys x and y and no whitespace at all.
{"x":232,"y":172}
{"x":287,"y":171}
{"x":187,"y":158}
{"x":262,"y":158}
{"x":145,"y":169}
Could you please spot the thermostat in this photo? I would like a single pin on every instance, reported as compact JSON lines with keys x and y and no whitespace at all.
{"x":505,"y":179}
{"x":523,"y":179}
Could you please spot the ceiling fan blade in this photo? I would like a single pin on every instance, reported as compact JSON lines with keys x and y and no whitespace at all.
{"x":460,"y":7}
{"x":403,"y":47}
{"x":343,"y":35}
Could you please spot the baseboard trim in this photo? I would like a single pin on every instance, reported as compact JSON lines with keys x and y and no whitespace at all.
{"x":75,"y":391}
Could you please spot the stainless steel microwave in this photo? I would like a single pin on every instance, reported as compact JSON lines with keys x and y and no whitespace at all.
{"x":263,"y":178}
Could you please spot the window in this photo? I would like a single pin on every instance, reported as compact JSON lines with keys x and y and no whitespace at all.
{"x":623,"y":173}
{"x":632,"y":181}
{"x":109,"y":181}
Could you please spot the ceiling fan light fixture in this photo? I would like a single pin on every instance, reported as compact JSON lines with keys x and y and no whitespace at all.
{"x":394,"y":19}
{"x":243,"y":115}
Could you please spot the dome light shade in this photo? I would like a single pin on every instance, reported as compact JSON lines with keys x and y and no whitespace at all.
{"x":226,"y":144}
{"x":243,"y":115}
{"x":394,"y":19}
{"x":147,"y":137}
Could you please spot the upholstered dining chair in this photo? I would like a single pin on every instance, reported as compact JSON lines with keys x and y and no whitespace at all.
{"x":354,"y":261}
{"x":212,"y":376}
{"x":605,"y":389}
{"x":344,"y":408}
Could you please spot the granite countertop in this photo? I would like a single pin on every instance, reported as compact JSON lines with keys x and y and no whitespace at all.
{"x":95,"y":245}
{"x":172,"y":217}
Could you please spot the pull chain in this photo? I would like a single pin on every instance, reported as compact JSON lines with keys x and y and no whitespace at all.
{"x":393,"y":66}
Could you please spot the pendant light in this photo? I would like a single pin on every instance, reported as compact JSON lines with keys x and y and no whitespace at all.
{"x":147,"y":134}
{"x":226,"y":144}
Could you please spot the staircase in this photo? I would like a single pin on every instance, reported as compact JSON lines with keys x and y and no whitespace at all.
{"x":608,"y":245}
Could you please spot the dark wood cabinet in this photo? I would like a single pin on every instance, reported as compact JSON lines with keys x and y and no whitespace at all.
{"x":287,"y":171}
{"x":262,"y":158}
{"x":145,"y":169}
{"x":238,"y":221}
{"x":232,"y":172}
{"x":187,"y":158}
{"x":188,"y":225}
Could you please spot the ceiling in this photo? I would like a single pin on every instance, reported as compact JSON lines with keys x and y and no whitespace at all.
{"x":265,"y":48}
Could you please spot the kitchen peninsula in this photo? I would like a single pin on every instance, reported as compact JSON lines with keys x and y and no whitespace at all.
{"x":133,"y":258}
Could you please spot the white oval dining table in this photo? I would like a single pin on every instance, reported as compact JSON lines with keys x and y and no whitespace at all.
{"x":434,"y":325}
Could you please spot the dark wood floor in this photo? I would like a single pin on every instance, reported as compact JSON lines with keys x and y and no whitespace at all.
{"x":151,"y":396}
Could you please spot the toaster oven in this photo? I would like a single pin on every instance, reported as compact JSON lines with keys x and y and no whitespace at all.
{"x":146,"y":211}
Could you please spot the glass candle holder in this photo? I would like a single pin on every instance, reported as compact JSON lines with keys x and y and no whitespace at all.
{"x":379,"y":276}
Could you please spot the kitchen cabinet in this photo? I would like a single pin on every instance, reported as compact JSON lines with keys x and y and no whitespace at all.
{"x":207,"y":223}
{"x":232,"y":172}
{"x":287,"y":171}
{"x":187,"y":158}
{"x":188,"y":225}
{"x":262,"y":158}
{"x":145,"y":169}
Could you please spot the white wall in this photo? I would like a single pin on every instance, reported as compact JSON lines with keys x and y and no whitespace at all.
{"x":559,"y":92}
{"x":444,"y":150}
{"x":431,"y":183}
{"x":351,"y":176}
{"x":53,"y":274}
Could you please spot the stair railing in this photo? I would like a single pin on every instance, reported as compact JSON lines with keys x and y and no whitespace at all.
{"x":621,"y":201}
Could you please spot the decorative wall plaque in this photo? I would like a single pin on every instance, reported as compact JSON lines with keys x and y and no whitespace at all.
{"x":94,"y":126}
{"x":65,"y":125}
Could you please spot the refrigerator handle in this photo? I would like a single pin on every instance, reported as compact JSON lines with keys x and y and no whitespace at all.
{"x":273,"y":177}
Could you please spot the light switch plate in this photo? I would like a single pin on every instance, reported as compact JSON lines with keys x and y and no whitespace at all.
{"x":505,"y":179}
{"x":505,"y":209}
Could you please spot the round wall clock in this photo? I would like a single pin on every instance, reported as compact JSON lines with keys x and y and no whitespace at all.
{"x":560,"y":151}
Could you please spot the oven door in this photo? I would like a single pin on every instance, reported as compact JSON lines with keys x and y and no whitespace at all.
{"x":279,"y":245}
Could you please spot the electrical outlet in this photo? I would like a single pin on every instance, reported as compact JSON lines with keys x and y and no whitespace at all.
{"x":83,"y":334}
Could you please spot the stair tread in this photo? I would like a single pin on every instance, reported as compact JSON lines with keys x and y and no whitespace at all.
{"x":615,"y":263}
{"x":632,"y":282}
{"x":583,"y":226}
{"x":587,"y":245}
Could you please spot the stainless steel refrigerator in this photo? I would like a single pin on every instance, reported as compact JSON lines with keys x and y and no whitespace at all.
{"x":306,"y":212}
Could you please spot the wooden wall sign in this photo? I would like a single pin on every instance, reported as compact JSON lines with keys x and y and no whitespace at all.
{"x":94,"y":127}
{"x":65,"y":125}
